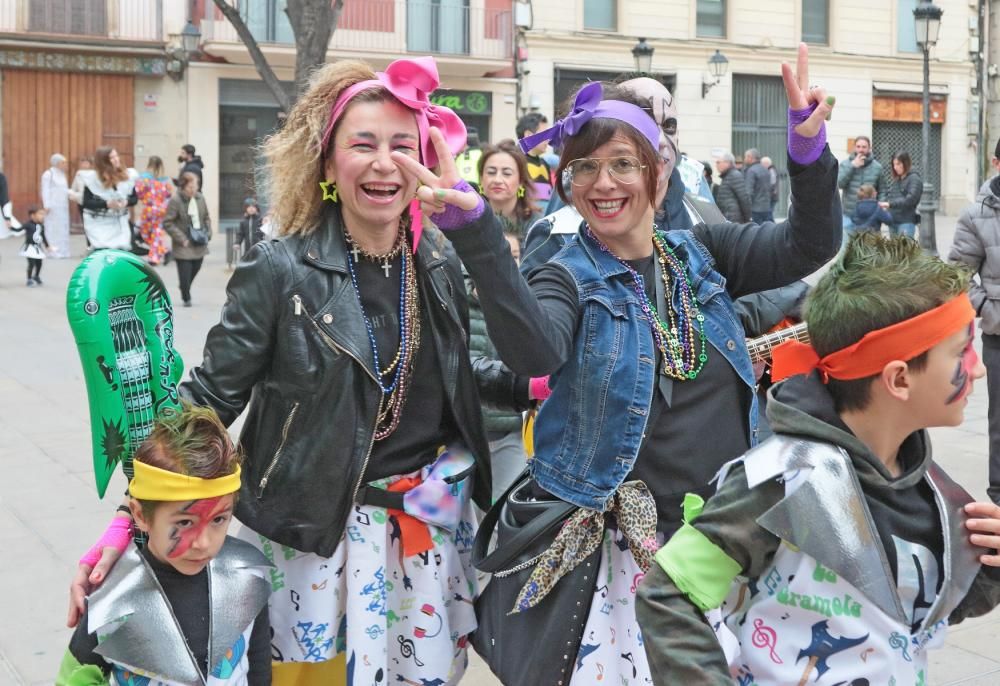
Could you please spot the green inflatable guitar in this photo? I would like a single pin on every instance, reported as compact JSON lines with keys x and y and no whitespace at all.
{"x":121,"y":318}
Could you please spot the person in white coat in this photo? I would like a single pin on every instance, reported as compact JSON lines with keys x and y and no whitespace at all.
{"x":55,"y":200}
{"x":108,"y":197}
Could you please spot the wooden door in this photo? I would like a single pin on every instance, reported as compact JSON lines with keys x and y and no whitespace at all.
{"x":72,"y":114}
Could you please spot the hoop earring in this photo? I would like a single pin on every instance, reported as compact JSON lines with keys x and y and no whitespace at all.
{"x":520,"y":191}
{"x":329,"y":190}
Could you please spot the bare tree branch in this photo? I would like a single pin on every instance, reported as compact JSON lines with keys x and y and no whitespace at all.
{"x":313,"y":23}
{"x":260,"y":62}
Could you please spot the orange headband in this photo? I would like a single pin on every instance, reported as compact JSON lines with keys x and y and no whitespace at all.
{"x":902,"y":341}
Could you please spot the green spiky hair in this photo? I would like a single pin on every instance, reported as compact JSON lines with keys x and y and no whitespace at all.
{"x":875,"y":283}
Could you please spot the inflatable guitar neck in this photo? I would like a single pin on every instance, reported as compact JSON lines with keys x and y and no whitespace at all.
{"x":122,"y":320}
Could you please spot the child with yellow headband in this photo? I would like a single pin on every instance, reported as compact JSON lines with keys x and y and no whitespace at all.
{"x":838,"y":550}
{"x":190,"y":607}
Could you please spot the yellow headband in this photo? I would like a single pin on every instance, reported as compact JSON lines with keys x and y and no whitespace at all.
{"x":153,"y":483}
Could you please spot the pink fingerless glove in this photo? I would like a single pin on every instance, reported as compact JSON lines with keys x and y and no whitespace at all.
{"x":117,"y":536}
{"x":538,"y":388}
{"x":454,"y":217}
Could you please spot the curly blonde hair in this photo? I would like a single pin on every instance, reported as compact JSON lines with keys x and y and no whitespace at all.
{"x":293,"y":157}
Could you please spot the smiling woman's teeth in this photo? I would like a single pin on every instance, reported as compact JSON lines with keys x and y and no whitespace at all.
{"x":608,"y":206}
{"x":380,"y":189}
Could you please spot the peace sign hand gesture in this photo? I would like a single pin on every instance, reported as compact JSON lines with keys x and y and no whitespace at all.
{"x":802,"y":97}
{"x":448,"y":197}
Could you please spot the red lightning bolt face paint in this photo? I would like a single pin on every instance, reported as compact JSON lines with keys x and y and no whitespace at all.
{"x":962,"y":378}
{"x":205,"y":510}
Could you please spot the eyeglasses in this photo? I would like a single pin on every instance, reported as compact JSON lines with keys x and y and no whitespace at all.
{"x":585,"y":170}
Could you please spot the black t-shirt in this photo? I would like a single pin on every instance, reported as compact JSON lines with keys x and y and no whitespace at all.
{"x":704,"y":426}
{"x":189,"y":599}
{"x":687,"y":442}
{"x":426,"y":422}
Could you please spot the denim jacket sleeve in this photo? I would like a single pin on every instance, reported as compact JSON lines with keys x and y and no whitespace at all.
{"x":758,"y":257}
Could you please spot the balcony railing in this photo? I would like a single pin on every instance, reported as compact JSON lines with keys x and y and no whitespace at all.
{"x":443,"y":27}
{"x":136,"y":20}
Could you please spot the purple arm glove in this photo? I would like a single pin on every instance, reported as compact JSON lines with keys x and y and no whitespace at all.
{"x":801,"y":149}
{"x":455,"y":217}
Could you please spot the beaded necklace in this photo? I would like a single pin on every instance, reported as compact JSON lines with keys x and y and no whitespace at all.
{"x":401,"y":368}
{"x":676,"y":337}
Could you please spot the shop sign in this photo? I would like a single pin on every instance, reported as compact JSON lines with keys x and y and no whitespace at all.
{"x":465,"y":102}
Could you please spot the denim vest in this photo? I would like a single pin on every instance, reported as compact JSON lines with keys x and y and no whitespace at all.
{"x":588,"y":432}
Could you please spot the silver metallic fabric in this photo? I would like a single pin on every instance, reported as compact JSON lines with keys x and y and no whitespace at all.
{"x":828,"y":519}
{"x":154,"y":643}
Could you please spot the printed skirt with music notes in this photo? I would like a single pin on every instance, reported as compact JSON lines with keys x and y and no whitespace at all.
{"x":371,"y":614}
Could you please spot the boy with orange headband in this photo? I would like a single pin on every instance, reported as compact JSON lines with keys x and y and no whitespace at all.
{"x":191,"y":606}
{"x":838,"y":551}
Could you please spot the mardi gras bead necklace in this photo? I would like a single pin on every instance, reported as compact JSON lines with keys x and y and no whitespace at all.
{"x":395,"y":388}
{"x":683,"y":358}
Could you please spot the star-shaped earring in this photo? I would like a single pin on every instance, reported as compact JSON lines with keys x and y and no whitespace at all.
{"x":329,"y":190}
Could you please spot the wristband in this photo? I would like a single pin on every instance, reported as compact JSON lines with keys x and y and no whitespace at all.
{"x":538,"y":388}
{"x":801,"y":149}
{"x":117,"y":536}
{"x":455,"y":217}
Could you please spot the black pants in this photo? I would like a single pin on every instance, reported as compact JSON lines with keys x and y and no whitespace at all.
{"x":34,"y":267}
{"x":186,"y":271}
{"x":991,"y":359}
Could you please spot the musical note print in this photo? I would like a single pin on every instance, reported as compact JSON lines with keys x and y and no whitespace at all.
{"x":295,"y":597}
{"x":612,"y":635}
{"x":319,"y":587}
{"x":898,"y":641}
{"x":600,"y":671}
{"x":635,"y":582}
{"x":765,"y":637}
{"x":408,"y":649}
{"x":864,"y":655}
{"x":362,"y":517}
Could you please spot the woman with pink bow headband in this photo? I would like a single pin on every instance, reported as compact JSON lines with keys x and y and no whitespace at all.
{"x":344,"y":338}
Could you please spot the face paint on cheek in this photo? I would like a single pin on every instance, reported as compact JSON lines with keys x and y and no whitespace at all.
{"x":962,"y":378}
{"x":182,"y":540}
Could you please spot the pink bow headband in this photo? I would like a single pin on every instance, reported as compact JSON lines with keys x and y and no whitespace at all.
{"x":411,"y":82}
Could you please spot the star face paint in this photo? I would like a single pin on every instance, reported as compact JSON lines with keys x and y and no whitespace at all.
{"x":963,"y":376}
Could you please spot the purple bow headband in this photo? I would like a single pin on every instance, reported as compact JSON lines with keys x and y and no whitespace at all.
{"x":586,"y":106}
{"x":411,"y":82}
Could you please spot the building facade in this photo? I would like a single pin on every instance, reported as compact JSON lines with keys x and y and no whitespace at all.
{"x":77,"y":74}
{"x":862,"y":51}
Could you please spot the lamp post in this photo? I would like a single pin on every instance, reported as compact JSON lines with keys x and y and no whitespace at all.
{"x":717,"y":66}
{"x":927,"y":18}
{"x":642,"y":52}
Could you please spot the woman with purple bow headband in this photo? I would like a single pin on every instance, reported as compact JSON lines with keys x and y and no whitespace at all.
{"x":344,"y":339}
{"x":652,"y":389}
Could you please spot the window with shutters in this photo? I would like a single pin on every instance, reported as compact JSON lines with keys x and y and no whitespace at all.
{"x":711,"y":19}
{"x":601,"y":15}
{"x":816,"y":22}
{"x":76,"y":17}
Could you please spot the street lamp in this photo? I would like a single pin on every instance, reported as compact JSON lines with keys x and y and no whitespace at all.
{"x":643,"y":54}
{"x":185,"y":46}
{"x":717,"y":66}
{"x":190,"y":38}
{"x":927,"y":19}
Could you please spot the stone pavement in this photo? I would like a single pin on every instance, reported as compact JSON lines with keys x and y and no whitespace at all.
{"x":49,"y":514}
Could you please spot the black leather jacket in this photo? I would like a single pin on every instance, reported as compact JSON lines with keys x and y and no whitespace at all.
{"x":292,"y":343}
